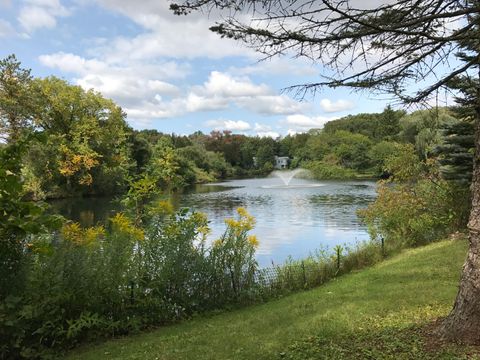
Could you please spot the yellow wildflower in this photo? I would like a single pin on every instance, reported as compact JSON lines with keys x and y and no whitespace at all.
{"x":123,"y":225}
{"x":91,"y":235}
{"x":232,"y":223}
{"x":121,"y":222}
{"x":164,"y":207}
{"x":200,"y":218}
{"x":242,"y":212}
{"x":204,"y":230}
{"x":253,"y":240}
{"x":217,"y":243}
{"x":72,"y":232}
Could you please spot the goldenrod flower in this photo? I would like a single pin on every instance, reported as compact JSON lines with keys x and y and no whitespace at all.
{"x":242,"y":212}
{"x":164,"y":207}
{"x":123,"y":225}
{"x":232,"y":223}
{"x":252,"y":240}
{"x":72,"y":232}
{"x":91,"y":235}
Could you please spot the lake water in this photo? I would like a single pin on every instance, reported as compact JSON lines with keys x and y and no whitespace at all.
{"x":292,"y":220}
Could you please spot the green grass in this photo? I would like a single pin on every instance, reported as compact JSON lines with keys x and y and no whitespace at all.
{"x":372,"y":314}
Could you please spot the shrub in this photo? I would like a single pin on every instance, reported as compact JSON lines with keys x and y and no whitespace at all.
{"x":85,"y":283}
{"x":324,"y":171}
{"x":412,"y":215}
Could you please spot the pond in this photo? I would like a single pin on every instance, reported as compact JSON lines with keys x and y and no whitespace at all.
{"x":292,"y":220}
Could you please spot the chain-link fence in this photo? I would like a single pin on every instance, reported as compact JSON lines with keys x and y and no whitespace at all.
{"x":309,"y":273}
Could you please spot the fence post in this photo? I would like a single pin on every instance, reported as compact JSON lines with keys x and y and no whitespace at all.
{"x":339,"y":253}
{"x":304,"y":274}
{"x":383,"y":246}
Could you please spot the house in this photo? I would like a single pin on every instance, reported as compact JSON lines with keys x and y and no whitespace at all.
{"x":281,"y":162}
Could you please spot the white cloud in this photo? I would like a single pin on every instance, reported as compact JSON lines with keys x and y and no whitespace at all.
{"x":272,"y":104}
{"x":36,"y":14}
{"x":262,"y":127}
{"x":195,"y":102}
{"x":221,"y":84}
{"x":142,"y":89}
{"x":278,"y":66}
{"x":329,"y":106}
{"x":6,"y":29}
{"x":300,"y":121}
{"x":271,"y":134}
{"x":221,"y":90}
{"x":229,"y":125}
{"x":168,"y":34}
{"x":131,"y":84}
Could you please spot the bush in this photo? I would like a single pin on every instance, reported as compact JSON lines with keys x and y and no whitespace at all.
{"x":324,"y":171}
{"x":81,"y":284}
{"x":416,"y":214}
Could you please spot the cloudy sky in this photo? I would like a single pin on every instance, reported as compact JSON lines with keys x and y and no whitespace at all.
{"x":167,"y":72}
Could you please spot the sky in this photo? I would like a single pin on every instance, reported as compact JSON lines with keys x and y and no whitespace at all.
{"x":169,"y":72}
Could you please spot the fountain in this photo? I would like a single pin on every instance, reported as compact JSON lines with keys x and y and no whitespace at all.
{"x":286,"y":176}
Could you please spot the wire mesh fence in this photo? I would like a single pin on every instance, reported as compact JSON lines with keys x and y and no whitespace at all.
{"x":297,"y":276}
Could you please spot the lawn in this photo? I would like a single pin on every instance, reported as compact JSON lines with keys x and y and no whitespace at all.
{"x":377,"y":313}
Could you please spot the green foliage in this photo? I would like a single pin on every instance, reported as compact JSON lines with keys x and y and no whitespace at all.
{"x":349,"y":149}
{"x":265,"y":157}
{"x":416,"y":214}
{"x":382,"y":151}
{"x":325,"y":171}
{"x":233,"y":258}
{"x":423,"y":129}
{"x":84,"y":148}
{"x":404,"y":164}
{"x":380,"y":126}
{"x":456,"y":152}
{"x":18,"y":221}
{"x":16,"y":99}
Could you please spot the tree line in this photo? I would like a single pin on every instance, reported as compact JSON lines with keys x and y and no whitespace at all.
{"x":81,"y":144}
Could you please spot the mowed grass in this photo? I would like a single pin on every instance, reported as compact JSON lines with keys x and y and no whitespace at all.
{"x":372,"y":314}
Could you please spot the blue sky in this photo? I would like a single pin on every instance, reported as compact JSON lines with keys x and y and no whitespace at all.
{"x":167,"y":72}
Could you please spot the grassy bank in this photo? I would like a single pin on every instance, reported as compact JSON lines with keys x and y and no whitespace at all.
{"x":372,"y":314}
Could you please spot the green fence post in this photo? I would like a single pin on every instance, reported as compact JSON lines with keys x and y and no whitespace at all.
{"x":304,"y":274}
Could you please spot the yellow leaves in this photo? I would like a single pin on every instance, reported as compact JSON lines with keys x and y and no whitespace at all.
{"x":123,"y":225}
{"x":74,"y":163}
{"x":87,"y":179}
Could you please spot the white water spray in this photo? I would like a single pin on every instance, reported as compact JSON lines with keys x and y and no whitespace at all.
{"x":286,"y":175}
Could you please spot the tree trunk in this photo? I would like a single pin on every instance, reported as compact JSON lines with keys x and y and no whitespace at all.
{"x":463,"y":322}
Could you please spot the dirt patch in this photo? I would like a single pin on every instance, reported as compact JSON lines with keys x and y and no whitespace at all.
{"x":434,"y":342}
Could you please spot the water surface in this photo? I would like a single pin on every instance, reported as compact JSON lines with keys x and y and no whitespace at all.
{"x":292,"y":220}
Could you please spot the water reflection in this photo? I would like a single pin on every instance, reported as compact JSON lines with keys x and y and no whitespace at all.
{"x":293,"y":220}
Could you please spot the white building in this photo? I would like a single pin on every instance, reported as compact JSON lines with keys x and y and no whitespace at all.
{"x":281,"y":162}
